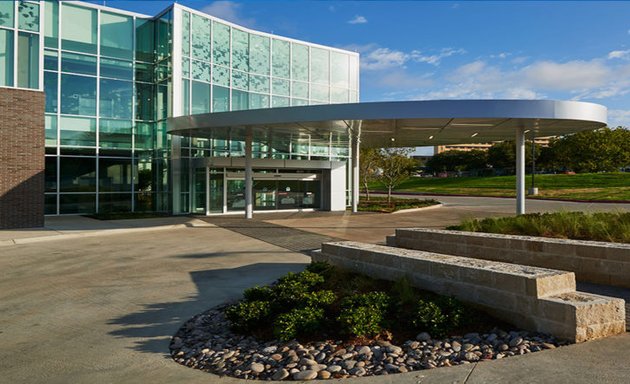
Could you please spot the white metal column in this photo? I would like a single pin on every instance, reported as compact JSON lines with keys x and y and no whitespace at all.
{"x":248,"y":175}
{"x":207,"y":190}
{"x":520,"y":171}
{"x":356,"y":144}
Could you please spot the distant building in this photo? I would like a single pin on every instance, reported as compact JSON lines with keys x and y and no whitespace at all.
{"x":542,"y":141}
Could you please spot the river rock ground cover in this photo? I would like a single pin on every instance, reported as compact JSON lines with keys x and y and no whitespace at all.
{"x":326,"y":323}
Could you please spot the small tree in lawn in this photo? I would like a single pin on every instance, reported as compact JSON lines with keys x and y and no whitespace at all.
{"x":396,"y":166}
{"x":369,"y":161}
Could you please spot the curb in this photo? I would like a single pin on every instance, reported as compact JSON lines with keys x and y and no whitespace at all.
{"x":418,"y":209}
{"x":102,"y":232}
{"x":503,"y":197}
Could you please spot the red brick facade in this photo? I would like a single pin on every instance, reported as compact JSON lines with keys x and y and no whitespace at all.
{"x":21,"y":158}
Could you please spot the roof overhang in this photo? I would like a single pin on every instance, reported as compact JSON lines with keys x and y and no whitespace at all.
{"x":401,"y":123}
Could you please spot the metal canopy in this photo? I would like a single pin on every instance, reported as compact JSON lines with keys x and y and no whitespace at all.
{"x":400,"y":123}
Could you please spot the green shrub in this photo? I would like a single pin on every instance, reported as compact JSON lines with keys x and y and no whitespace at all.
{"x":440,"y":316}
{"x":403,"y":292}
{"x":321,"y":268}
{"x":288,"y":326}
{"x":364,"y":314}
{"x":248,"y":315}
{"x":258,"y":294}
{"x":292,"y":287}
{"x":319,"y":298}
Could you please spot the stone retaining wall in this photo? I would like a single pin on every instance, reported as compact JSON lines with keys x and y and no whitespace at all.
{"x":591,"y":261}
{"x":533,"y":298}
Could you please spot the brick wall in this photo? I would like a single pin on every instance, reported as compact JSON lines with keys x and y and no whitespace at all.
{"x":21,"y":158}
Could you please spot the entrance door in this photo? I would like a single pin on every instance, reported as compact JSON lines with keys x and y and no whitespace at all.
{"x":216,"y":193}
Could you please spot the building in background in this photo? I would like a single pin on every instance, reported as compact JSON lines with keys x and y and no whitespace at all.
{"x":111,"y":79}
{"x":542,"y":141}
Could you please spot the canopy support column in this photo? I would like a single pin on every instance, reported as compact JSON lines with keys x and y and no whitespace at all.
{"x":207,"y":190}
{"x":355,"y":138}
{"x":248,"y":174}
{"x":520,"y":171}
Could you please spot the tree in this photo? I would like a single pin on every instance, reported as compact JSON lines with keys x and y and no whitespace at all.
{"x":369,"y":161}
{"x":458,"y":161}
{"x":602,"y":150}
{"x":395,"y":166}
{"x":502,"y":155}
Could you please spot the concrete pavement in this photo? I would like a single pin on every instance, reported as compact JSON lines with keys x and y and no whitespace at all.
{"x":101,"y":309}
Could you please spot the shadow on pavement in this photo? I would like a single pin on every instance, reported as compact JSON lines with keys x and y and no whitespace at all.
{"x":154,"y":325}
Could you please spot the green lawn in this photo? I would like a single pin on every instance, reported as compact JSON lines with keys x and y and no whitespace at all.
{"x":588,"y":186}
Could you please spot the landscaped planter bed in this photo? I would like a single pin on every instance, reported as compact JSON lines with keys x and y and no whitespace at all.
{"x":463,"y":336}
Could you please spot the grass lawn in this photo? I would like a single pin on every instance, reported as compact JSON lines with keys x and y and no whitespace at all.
{"x":601,"y":226}
{"x":587,"y":186}
{"x":380,"y":204}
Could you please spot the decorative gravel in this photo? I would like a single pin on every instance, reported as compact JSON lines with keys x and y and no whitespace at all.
{"x":205,"y":342}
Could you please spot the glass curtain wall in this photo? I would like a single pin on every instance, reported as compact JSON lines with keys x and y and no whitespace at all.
{"x":20,"y":44}
{"x":105,"y":151}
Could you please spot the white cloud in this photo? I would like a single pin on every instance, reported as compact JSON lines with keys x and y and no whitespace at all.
{"x":383,"y":58}
{"x":435,"y":59}
{"x":358,"y":20}
{"x":230,"y":11}
{"x":619,"y":54}
{"x":619,"y":117}
{"x":569,"y":76}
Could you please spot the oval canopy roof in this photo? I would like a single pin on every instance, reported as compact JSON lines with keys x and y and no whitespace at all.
{"x":400,"y":123}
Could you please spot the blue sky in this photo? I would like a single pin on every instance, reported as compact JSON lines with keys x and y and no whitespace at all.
{"x":447,"y":50}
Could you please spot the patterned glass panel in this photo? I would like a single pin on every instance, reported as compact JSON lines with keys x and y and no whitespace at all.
{"x":320,"y":69}
{"x":277,"y":101}
{"x":297,"y":102}
{"x":201,"y":71}
{"x":300,"y":89}
{"x":319,"y":92}
{"x":6,"y":13}
{"x":240,"y":50}
{"x":28,"y":16}
{"x":340,"y":70}
{"x":280,"y":87}
{"x":281,"y":58}
{"x":221,"y":44}
{"x":338,"y":95}
{"x":240,"y":80}
{"x":200,"y":38}
{"x":186,"y":67}
{"x":259,"y":54}
{"x":259,"y":83}
{"x":354,"y":72}
{"x":186,"y":33}
{"x":257,"y":101}
{"x":221,"y":75}
{"x":299,"y":63}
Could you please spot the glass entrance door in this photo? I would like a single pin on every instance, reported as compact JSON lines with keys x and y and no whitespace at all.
{"x":216,"y":193}
{"x":199,"y":191}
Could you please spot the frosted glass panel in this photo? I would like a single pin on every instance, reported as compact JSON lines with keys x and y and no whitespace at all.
{"x":278,"y":101}
{"x":200,"y":38}
{"x":339,"y":95}
{"x":240,"y":80}
{"x":259,"y":83}
{"x":299,"y":64}
{"x":280,"y":87}
{"x":78,"y":28}
{"x":186,"y":33}
{"x":340,"y":70}
{"x":28,"y":14}
{"x":354,"y":72}
{"x":257,"y":101}
{"x":300,"y":90}
{"x":201,"y":71}
{"x":221,"y":75}
{"x":221,"y":44}
{"x":116,"y":35}
{"x":186,"y":67}
{"x":281,"y":58}
{"x":319,"y":92}
{"x":240,"y":50}
{"x":319,"y":66}
{"x":259,"y":54}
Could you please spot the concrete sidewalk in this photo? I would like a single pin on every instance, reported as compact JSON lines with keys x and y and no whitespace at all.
{"x":73,"y":227}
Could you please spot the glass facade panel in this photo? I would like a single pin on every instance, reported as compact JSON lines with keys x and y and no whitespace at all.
{"x":257,"y":101}
{"x":50,"y":174}
{"x":201,"y":71}
{"x":145,"y":40}
{"x":319,"y":92}
{"x":114,"y":202}
{"x":6,"y":14}
{"x":78,"y":28}
{"x":77,"y":203}
{"x":339,"y":70}
{"x":354,"y":72}
{"x":200,"y":38}
{"x":240,"y":100}
{"x":259,"y":83}
{"x":277,"y":101}
{"x":221,"y":76}
{"x":115,"y":35}
{"x":117,"y":69}
{"x":50,"y":90}
{"x":115,"y":133}
{"x":220,"y":44}
{"x":259,"y":54}
{"x":240,"y":50}
{"x":50,"y":125}
{"x":77,"y":174}
{"x":320,"y":69}
{"x":79,"y":131}
{"x":28,"y":16}
{"x":240,"y":80}
{"x":6,"y":55}
{"x":339,"y":95}
{"x":28,"y":60}
{"x":78,"y":95}
{"x":281,"y":58}
{"x":115,"y":175}
{"x":144,"y":106}
{"x":281,"y":87}
{"x":75,"y":63}
{"x":299,"y":62}
{"x":300,"y":89}
{"x":51,"y":59}
{"x":51,"y":26}
{"x":220,"y":99}
{"x":200,"y":98}
{"x":186,"y":97}
{"x":186,"y":33}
